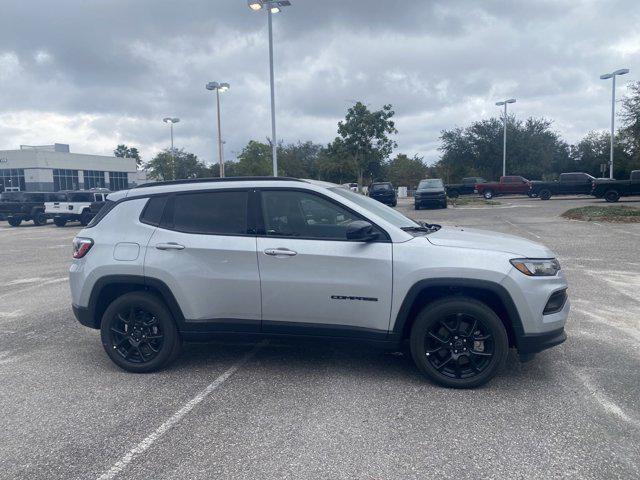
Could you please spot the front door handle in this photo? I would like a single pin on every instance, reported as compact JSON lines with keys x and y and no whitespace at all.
{"x":169,"y":246}
{"x":278,"y":252}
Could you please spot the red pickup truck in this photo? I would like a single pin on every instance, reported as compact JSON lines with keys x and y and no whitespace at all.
{"x":509,"y":185}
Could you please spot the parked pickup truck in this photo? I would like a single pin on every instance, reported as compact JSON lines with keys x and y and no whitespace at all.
{"x":612,"y":190}
{"x":577,"y":183}
{"x":509,"y":185}
{"x":75,"y":206}
{"x":17,"y":207}
{"x":467,"y":187}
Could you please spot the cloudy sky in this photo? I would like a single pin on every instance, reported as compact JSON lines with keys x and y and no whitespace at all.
{"x":95,"y":73}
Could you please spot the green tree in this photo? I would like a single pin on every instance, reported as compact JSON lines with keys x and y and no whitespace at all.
{"x":594,"y":150}
{"x":255,"y":160}
{"x":630,"y":115}
{"x":176,"y":165}
{"x":333,"y":164}
{"x":364,"y":138}
{"x":123,"y":151}
{"x":404,"y":171}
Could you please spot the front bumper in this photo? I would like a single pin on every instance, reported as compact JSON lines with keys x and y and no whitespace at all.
{"x":537,"y":342}
{"x":430,"y":199}
{"x":84,"y":316}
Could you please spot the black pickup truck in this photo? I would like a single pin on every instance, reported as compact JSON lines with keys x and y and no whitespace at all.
{"x":16,"y":207}
{"x":612,"y":190}
{"x":576,"y":183}
{"x":467,"y":187}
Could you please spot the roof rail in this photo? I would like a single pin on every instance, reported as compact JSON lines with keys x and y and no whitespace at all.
{"x":217,"y":179}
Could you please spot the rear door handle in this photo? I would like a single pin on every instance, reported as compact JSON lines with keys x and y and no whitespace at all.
{"x":169,"y":246}
{"x":277,"y":252}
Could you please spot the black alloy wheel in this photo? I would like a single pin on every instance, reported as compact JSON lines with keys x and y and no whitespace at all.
{"x":612,"y":196}
{"x":459,"y":342}
{"x":138,"y":333}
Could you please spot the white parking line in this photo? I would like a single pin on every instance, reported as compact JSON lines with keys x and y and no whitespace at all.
{"x":145,"y":444}
{"x":522,"y":228}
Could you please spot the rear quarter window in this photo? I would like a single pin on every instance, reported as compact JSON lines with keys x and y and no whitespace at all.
{"x":153,"y":210}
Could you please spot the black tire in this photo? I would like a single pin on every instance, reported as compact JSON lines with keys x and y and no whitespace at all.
{"x":488,"y":194}
{"x":545,"y":194}
{"x":39,"y":218}
{"x":612,"y":196}
{"x":444,"y":204}
{"x":14,"y":222}
{"x":394,"y":204}
{"x":416,"y":206}
{"x":139,"y":334}
{"x":485,"y":342}
{"x":59,"y":221}
{"x":85,"y":218}
{"x":453,"y":194}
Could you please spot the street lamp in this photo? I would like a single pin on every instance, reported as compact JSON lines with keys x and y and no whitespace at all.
{"x":171,"y":121}
{"x":219,"y":87}
{"x":504,"y":134}
{"x":272,"y":6}
{"x":607,"y":76}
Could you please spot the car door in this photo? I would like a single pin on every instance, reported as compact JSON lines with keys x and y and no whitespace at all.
{"x":204,"y":252}
{"x":314,"y":280}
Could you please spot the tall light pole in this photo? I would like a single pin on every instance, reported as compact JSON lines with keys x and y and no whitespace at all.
{"x":607,"y":76}
{"x":219,"y":87}
{"x":272,"y":6}
{"x":504,"y":134}
{"x":171,"y":121}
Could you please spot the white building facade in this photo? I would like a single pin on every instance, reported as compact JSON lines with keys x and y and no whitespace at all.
{"x":52,"y":168}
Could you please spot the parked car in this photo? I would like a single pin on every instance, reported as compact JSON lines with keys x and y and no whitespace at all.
{"x":430,"y":192}
{"x":18,"y":207}
{"x":200,"y":259}
{"x":508,"y":185}
{"x":576,"y":183}
{"x":74,"y":206}
{"x":467,"y":187}
{"x":351,"y":186}
{"x":612,"y":190}
{"x":384,"y":192}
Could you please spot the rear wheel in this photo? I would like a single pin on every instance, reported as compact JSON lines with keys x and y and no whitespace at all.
{"x":59,"y":221}
{"x":488,"y":194}
{"x":612,"y":196}
{"x":139,"y":334}
{"x":39,"y":218}
{"x":459,"y":342}
{"x":545,"y":194}
{"x":14,"y":222}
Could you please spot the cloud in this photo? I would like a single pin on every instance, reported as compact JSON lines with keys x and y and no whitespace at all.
{"x":95,"y":74}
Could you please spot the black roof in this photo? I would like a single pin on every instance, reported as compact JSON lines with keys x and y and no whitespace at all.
{"x":217,"y":179}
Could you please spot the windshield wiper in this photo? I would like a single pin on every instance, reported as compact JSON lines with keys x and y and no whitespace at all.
{"x":424,"y":227}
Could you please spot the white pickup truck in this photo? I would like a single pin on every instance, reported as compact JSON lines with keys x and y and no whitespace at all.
{"x":75,"y":207}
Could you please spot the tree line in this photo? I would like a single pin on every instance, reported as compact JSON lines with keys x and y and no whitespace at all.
{"x":361,"y":152}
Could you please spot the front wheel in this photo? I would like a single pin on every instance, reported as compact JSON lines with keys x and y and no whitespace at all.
{"x":138,"y":333}
{"x":14,"y":222}
{"x":39,"y":219}
{"x":459,"y":342}
{"x":612,"y":196}
{"x":59,"y":221}
{"x":545,"y":194}
{"x":488,"y":194}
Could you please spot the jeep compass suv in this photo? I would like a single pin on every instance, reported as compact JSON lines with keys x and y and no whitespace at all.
{"x":188,"y":260}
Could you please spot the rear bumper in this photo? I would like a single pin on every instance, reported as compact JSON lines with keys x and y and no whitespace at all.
{"x":83,"y":315}
{"x":385,"y":200}
{"x":537,"y":342}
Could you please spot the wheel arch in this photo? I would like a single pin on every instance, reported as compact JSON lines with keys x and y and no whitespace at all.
{"x":110,"y":287}
{"x":424,"y":292}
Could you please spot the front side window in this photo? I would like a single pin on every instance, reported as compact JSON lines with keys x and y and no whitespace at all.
{"x":221,"y":213}
{"x":304,"y":215}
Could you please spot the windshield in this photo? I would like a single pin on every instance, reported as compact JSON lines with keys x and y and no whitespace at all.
{"x":430,"y":183}
{"x":380,"y":187}
{"x":387,"y":213}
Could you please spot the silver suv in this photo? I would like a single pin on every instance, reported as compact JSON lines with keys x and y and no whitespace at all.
{"x":189,"y":260}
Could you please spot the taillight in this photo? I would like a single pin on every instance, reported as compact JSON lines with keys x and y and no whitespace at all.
{"x":81,"y":246}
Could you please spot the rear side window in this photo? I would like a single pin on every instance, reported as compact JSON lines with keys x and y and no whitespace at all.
{"x":221,"y":213}
{"x":152,"y":213}
{"x":80,"y":197}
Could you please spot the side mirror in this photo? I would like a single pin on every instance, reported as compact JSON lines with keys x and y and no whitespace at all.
{"x":361,"y":231}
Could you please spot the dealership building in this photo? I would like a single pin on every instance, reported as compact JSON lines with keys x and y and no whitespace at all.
{"x":51,"y":168}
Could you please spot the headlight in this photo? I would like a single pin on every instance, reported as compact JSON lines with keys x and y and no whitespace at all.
{"x":534,"y":267}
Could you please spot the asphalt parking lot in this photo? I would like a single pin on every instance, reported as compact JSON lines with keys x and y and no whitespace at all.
{"x":319,"y":410}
